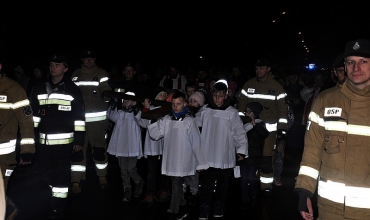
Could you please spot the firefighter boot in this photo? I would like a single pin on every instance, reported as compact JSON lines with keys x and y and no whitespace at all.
{"x":103,"y":184}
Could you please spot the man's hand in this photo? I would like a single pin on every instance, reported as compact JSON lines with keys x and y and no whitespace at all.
{"x":77,"y":148}
{"x":307,"y":215}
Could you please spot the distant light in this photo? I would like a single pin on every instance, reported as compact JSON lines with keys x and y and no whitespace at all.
{"x":299,"y":32}
{"x":302,"y":41}
{"x":273,"y":21}
{"x":308,"y":51}
{"x":284,"y":13}
{"x":311,"y":66}
{"x":200,"y":57}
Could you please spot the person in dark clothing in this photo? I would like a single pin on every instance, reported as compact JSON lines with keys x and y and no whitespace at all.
{"x":256,"y":133}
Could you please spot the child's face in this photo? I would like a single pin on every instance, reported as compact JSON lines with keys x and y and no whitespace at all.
{"x":178,"y":104}
{"x":219,"y":98}
{"x":193,"y":103}
{"x":161,"y":96}
{"x":190,"y":91}
{"x":249,"y":113}
{"x":126,"y":103}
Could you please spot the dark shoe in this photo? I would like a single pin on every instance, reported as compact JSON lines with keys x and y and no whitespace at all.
{"x":218,"y":211}
{"x":164,"y":196}
{"x":56,"y":215}
{"x":183,"y":212}
{"x":148,"y":200}
{"x":192,"y":199}
{"x":267,"y":193}
{"x":138,"y":188}
{"x":126,"y":194}
{"x":203,"y":212}
{"x":11,"y":209}
{"x":103,"y":183}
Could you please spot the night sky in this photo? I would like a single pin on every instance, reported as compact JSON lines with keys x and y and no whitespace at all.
{"x":156,"y":35}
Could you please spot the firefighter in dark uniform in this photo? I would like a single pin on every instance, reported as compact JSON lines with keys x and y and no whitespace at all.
{"x":93,"y":82}
{"x":15,"y":111}
{"x":59,"y":118}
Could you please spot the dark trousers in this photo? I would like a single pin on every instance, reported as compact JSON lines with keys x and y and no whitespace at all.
{"x":208,"y":180}
{"x":55,"y":168}
{"x":249,"y":182}
{"x":154,"y":171}
{"x":177,"y":197}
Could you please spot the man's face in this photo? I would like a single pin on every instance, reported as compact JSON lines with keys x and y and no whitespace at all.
{"x":57,"y":69}
{"x":262,"y":71}
{"x":219,"y":98}
{"x":340,"y":73}
{"x":88,"y":62}
{"x":201,"y":74}
{"x":129,"y":72}
{"x":173,"y":72}
{"x":178,"y":104}
{"x":358,"y":71}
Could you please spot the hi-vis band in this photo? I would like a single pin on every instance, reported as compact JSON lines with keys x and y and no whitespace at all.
{"x":59,"y":99}
{"x":96,"y":116}
{"x":358,"y":197}
{"x":339,"y":125}
{"x":55,"y":139}
{"x":78,"y":168}
{"x":89,"y":83}
{"x":7,"y":147}
{"x":79,"y":126}
{"x":16,"y":105}
{"x":262,"y":96}
{"x":101,"y":166}
{"x":60,"y":192}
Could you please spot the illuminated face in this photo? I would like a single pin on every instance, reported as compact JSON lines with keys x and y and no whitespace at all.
{"x":178,"y":104}
{"x":57,"y":69}
{"x":219,"y":98}
{"x":190,"y":91}
{"x":262,"y":71}
{"x":88,"y":62}
{"x":358,"y":71}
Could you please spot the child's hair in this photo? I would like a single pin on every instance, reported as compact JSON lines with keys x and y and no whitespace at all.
{"x":190,"y":84}
{"x":178,"y":94}
{"x":220,"y":86}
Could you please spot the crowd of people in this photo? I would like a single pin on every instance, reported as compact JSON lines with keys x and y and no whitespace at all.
{"x":195,"y":129}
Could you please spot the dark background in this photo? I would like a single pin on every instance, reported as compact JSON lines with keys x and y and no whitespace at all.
{"x":157,"y":34}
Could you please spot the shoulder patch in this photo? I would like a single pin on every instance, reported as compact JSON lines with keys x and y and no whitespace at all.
{"x":333,"y":112}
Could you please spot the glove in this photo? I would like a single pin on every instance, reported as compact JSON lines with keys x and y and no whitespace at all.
{"x":281,"y":135}
{"x":302,"y":199}
{"x":26,"y":157}
{"x":135,"y":109}
{"x":112,"y":103}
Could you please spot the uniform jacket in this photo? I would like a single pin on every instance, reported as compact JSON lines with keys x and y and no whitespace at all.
{"x":271,"y":95}
{"x":15,"y":110}
{"x":93,"y":82}
{"x":126,"y":135}
{"x":223,"y":135}
{"x":337,"y":152}
{"x":183,"y":153}
{"x":59,"y":108}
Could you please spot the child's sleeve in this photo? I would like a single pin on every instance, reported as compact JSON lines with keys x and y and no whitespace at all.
{"x":156,"y":130}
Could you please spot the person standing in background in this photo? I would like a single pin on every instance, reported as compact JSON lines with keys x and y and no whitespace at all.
{"x":93,"y":82}
{"x":263,"y":88}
